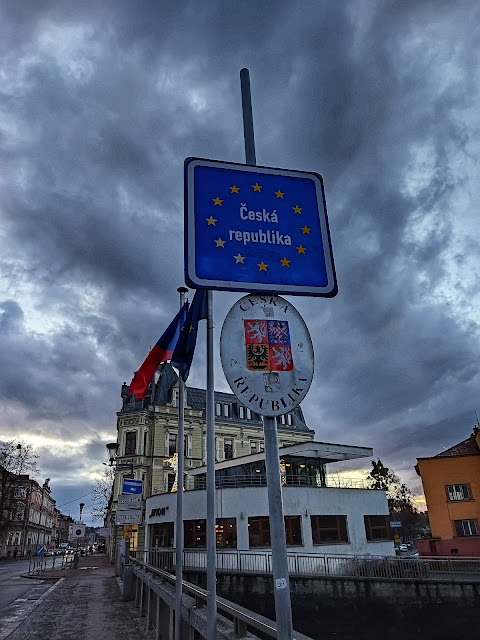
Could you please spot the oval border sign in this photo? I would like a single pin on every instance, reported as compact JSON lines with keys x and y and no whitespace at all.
{"x":267,"y":354}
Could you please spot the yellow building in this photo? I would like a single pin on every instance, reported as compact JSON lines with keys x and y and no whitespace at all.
{"x":451,"y":482}
{"x":147,"y":440}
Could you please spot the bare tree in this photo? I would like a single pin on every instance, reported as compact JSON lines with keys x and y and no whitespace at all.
{"x":16,"y":458}
{"x":101,"y":492}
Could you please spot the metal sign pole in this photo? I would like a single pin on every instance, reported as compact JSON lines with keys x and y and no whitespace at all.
{"x":211,"y":537}
{"x":281,"y":584}
{"x":180,"y":482}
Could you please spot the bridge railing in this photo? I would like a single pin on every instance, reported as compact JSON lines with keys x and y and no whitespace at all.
{"x":311,"y":565}
{"x":154,"y":595}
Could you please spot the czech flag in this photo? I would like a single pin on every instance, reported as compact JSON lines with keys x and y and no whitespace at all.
{"x":161,"y":352}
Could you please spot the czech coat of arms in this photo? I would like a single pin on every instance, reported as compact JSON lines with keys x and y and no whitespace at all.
{"x":267,"y":345}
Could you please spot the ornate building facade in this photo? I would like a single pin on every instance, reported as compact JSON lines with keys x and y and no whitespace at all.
{"x":147,"y":440}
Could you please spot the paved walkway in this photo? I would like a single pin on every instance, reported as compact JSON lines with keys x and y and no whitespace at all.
{"x":83,"y":604}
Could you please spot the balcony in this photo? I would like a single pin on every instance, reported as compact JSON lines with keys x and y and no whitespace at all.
{"x":260,"y":480}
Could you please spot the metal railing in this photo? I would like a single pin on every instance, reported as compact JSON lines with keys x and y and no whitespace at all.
{"x":260,"y":480}
{"x":452,"y":569}
{"x":41,"y":564}
{"x":154,"y":596}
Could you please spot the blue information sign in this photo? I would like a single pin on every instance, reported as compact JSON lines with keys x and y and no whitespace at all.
{"x":259,"y":229}
{"x":132,"y":486}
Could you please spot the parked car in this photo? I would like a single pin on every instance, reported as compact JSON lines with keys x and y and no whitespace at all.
{"x":403,"y":547}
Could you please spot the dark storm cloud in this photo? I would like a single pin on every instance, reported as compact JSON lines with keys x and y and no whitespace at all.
{"x":99,"y":106}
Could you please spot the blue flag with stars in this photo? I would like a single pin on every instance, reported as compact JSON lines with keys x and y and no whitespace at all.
{"x":183,"y":353}
{"x":257,"y":229}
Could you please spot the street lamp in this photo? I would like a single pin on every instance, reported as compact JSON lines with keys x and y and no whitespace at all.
{"x":112,"y":448}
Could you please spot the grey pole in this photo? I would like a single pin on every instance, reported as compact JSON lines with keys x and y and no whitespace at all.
{"x":247,"y":117}
{"x":179,"y":519}
{"x":211,"y":538}
{"x":281,"y":583}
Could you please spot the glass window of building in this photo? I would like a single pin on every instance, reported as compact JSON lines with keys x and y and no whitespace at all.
{"x":458,"y":492}
{"x":172,"y":443}
{"x":218,"y":409}
{"x":293,"y":531}
{"x":162,"y":535}
{"x":226,"y":410}
{"x":466,"y":527}
{"x":130,"y":443}
{"x":195,"y":534}
{"x":248,"y":413}
{"x":328,"y":529}
{"x":228,"y":448}
{"x":241,"y":412}
{"x":377,"y":527}
{"x":259,"y":531}
{"x":253,"y":446}
{"x":226,"y":533}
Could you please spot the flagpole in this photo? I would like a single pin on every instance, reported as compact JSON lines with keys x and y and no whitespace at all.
{"x":211,"y":534}
{"x":281,"y":583}
{"x":180,"y":481}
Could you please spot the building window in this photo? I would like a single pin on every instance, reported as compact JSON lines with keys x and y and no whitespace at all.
{"x":162,"y":534}
{"x":195,"y":534}
{"x":248,"y":413}
{"x":286,"y":419}
{"x":466,"y":528}
{"x":377,"y":527}
{"x":458,"y":492}
{"x":218,"y":409}
{"x":228,"y":449}
{"x":130,"y":443}
{"x":262,"y":445}
{"x":172,"y":444}
{"x":20,"y":492}
{"x":259,"y":531}
{"x":226,"y":410}
{"x":170,"y":481}
{"x":226,"y":533}
{"x":241,"y":412}
{"x":145,"y":443}
{"x":293,"y":531}
{"x":327,"y":529}
{"x":253,"y":446}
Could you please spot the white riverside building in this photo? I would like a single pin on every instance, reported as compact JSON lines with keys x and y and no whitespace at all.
{"x":324,"y":514}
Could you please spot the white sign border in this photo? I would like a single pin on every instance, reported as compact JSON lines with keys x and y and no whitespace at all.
{"x":191,"y":278}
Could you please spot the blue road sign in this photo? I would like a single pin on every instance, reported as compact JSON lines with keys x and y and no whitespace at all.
{"x":258,"y":229}
{"x":40,"y":550}
{"x":132,"y":486}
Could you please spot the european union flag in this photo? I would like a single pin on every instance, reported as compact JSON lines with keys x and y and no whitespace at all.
{"x":183,"y":354}
{"x":256,"y":229}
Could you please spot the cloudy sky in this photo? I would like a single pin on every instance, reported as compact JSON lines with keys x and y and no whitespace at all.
{"x":100,"y":103}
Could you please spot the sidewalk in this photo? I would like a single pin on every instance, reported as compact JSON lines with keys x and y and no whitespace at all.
{"x":84,"y":603}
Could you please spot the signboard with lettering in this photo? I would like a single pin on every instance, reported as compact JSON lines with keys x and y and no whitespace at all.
{"x":252,"y":228}
{"x":130,"y":516}
{"x":267,"y":354}
{"x":129,"y":501}
{"x":132,"y":486}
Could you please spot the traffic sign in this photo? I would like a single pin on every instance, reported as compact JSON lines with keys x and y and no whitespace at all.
{"x":40,"y":550}
{"x":252,"y":228}
{"x":395,"y":524}
{"x":132,"y":486}
{"x":267,"y":354}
